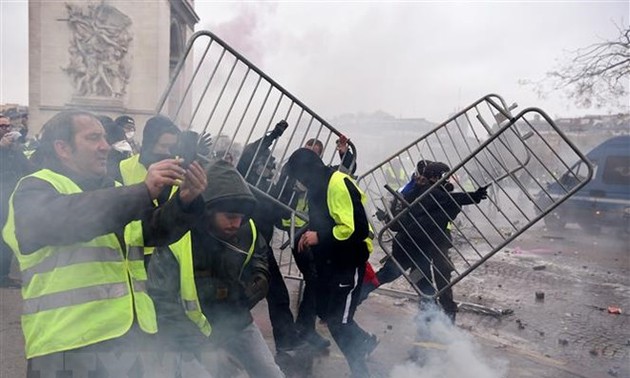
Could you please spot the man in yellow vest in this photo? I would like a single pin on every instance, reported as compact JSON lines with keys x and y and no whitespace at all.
{"x":75,"y":233}
{"x":205,"y":284}
{"x":159,"y":138}
{"x":295,"y":196}
{"x":339,"y":236}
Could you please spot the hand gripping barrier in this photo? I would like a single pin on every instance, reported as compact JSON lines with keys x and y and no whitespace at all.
{"x":437,"y":235}
{"x":220,"y":92}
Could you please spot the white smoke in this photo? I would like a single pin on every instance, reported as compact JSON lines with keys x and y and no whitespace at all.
{"x":444,"y":351}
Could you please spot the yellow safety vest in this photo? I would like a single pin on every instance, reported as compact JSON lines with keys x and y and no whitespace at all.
{"x":301,"y":205}
{"x":338,"y":199}
{"x":182,"y":250}
{"x":394,"y":178}
{"x":80,"y":294}
{"x":133,"y":172}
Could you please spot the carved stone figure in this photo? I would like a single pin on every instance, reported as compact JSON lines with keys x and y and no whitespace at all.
{"x":99,"y":50}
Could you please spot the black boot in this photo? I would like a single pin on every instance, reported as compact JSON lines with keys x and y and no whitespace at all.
{"x":318,"y":341}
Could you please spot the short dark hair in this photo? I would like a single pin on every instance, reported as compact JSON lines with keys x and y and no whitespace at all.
{"x":315,"y":142}
{"x":59,"y":127}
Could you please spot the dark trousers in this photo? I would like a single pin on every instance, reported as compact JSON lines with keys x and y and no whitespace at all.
{"x":340,"y":290}
{"x":284,"y":332}
{"x":307,"y":312}
{"x":442,"y":275}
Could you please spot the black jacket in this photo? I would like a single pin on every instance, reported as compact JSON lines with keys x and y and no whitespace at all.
{"x":305,"y":166}
{"x":425,"y":224}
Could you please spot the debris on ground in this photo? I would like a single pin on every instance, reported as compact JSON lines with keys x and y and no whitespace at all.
{"x":540,"y":296}
{"x":613,"y":371}
{"x":540,"y":267}
{"x":520,"y":324}
{"x":484,"y":310}
{"x":563,"y":342}
{"x":614,"y":310}
{"x":551,"y":237}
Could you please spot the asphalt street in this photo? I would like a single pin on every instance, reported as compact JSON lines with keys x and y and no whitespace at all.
{"x":570,"y":332}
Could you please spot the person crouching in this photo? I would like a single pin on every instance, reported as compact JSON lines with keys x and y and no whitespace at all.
{"x":213,"y":276}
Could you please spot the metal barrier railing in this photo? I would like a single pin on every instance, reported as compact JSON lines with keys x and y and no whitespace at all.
{"x":218,"y":91}
{"x":520,"y":157}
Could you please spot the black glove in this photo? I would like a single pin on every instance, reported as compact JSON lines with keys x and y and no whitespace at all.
{"x":256,"y":289}
{"x":279,"y":129}
{"x":204,"y":144}
{"x":479,"y":194}
{"x":381,"y":215}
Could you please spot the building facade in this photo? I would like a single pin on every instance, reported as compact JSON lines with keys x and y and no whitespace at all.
{"x":111,"y":57}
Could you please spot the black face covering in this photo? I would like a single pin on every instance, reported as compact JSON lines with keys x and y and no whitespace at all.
{"x":148,"y":158}
{"x":306,"y":166}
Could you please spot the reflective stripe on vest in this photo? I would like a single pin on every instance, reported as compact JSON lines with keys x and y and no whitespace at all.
{"x":85,"y":287}
{"x":68,"y":258}
{"x":182,"y":250}
{"x":344,"y":217}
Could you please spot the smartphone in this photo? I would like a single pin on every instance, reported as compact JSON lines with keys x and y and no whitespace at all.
{"x":186,"y":147}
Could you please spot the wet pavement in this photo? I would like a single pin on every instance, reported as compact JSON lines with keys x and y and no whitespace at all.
{"x":568,"y":333}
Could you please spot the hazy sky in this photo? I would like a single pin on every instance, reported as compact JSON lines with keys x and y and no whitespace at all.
{"x":410,"y":59}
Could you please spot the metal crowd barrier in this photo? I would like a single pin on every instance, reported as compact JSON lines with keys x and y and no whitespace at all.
{"x":518,"y":156}
{"x":218,"y":91}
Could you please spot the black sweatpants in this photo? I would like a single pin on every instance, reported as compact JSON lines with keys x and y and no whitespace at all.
{"x":339,"y":296}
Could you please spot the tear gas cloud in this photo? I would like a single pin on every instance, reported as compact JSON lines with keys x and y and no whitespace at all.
{"x":445,"y":351}
{"x":411,"y":60}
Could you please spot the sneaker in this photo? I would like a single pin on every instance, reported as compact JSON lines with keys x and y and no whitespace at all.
{"x":318,"y":341}
{"x":369,"y":344}
{"x":10,"y":283}
{"x":293,"y":345}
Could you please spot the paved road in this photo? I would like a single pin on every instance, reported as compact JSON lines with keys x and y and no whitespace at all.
{"x":568,"y":334}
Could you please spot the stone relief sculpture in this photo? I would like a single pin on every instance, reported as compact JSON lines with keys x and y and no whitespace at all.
{"x":99,"y":50}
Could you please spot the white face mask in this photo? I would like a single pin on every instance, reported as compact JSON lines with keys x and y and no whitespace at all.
{"x":130,"y":134}
{"x":122,"y":146}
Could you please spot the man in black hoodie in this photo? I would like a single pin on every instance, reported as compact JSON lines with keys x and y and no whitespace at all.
{"x":159,"y":139}
{"x":339,"y":237}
